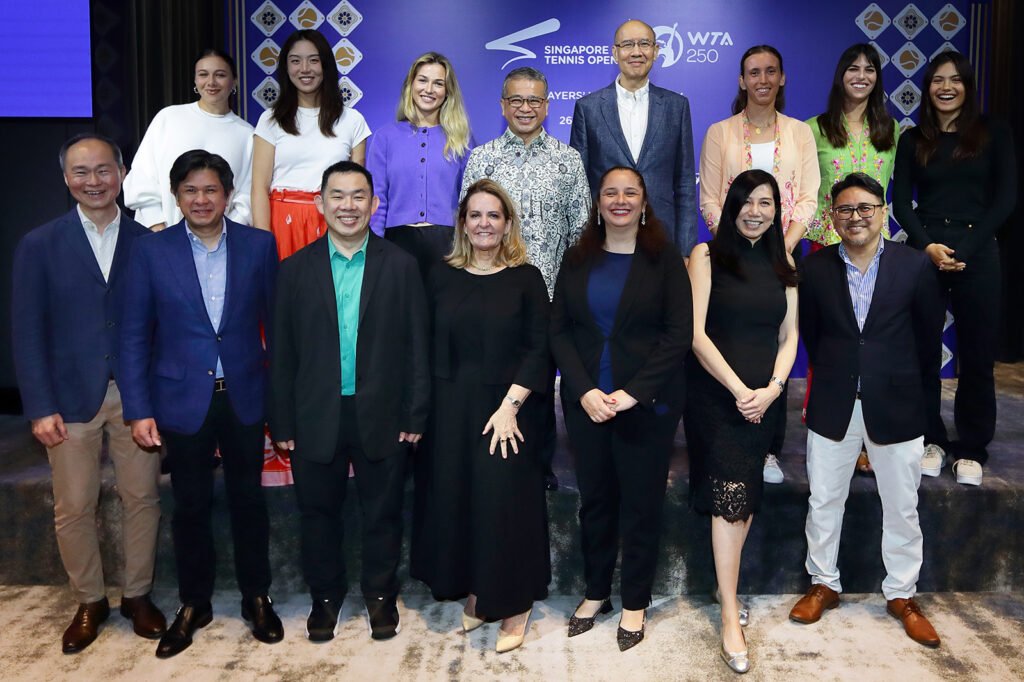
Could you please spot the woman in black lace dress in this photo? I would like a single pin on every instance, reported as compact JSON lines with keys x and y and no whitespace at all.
{"x":744,"y":344}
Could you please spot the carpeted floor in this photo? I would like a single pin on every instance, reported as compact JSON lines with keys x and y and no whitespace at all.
{"x":981,"y":641}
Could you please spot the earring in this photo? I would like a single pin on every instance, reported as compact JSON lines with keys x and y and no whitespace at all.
{"x":599,"y":219}
{"x":643,"y":217}
{"x":195,"y":89}
{"x":234,"y":90}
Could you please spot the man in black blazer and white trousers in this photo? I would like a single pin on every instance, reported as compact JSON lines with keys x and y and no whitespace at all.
{"x":869,"y":310}
{"x":350,"y":383}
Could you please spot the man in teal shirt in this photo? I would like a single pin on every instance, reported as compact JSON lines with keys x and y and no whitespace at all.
{"x":350,"y":385}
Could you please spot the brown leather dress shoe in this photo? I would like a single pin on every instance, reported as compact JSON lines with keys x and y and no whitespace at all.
{"x":810,"y":606}
{"x":146,"y":618}
{"x":85,"y":626}
{"x":917,"y":626}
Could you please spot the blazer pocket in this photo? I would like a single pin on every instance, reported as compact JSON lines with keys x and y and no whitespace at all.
{"x":169,"y":370}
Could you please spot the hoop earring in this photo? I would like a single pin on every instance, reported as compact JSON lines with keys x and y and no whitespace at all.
{"x":643,"y":217}
{"x":195,"y":89}
{"x":234,"y":90}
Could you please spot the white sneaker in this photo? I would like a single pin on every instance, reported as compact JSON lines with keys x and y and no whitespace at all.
{"x":772,"y":471}
{"x":933,"y":460}
{"x":967,"y":472}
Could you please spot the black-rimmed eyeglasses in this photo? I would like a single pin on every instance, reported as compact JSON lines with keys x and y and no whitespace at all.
{"x":845,"y":212}
{"x":517,"y":102}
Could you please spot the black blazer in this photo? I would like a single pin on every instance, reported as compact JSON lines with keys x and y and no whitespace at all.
{"x":889,"y":356}
{"x":392,"y":368}
{"x":650,"y":337}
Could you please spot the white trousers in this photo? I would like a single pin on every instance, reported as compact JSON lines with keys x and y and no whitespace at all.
{"x":830,"y":466}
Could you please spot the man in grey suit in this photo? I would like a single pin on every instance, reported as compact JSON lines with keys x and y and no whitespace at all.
{"x":635,"y":124}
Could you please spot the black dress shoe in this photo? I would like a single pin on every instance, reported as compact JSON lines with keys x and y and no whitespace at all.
{"x":323,"y":620}
{"x":627,"y":639}
{"x":382,"y":613}
{"x":85,"y":626}
{"x":147,"y":620}
{"x":266,"y":626}
{"x":578,"y":625}
{"x":189,"y":618}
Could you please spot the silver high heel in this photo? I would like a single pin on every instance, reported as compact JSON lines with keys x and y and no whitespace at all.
{"x":738,"y":662}
{"x":743,"y":608}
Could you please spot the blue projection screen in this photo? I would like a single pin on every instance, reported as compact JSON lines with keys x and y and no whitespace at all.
{"x":45,"y":64}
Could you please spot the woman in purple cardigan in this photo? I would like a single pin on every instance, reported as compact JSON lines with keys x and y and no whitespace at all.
{"x":418,"y":160}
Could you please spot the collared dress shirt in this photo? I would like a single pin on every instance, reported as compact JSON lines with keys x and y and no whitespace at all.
{"x":633,"y":108}
{"x":103,"y":245}
{"x":548,"y":185}
{"x":212,"y":271}
{"x":861,"y":285}
{"x":348,"y":287}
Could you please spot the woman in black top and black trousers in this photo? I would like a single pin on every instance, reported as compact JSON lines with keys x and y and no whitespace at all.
{"x":962,"y":167}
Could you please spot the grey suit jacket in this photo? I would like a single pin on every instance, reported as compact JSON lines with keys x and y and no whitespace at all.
{"x":666,"y":157}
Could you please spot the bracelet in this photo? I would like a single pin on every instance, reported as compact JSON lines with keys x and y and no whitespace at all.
{"x":778,"y":382}
{"x":515,"y":403}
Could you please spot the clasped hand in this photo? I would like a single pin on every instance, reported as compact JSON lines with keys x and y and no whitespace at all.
{"x":942,"y":257}
{"x":754,"y":403}
{"x":505,"y":430}
{"x":601,"y":406}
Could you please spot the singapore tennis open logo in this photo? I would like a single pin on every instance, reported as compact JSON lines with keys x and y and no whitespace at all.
{"x":508,"y":43}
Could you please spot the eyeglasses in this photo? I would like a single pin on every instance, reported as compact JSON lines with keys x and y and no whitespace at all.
{"x":845,"y":212}
{"x":644,"y":44}
{"x":517,"y":102}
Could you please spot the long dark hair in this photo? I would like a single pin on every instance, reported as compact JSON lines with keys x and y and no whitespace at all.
{"x":724,"y":247}
{"x":880,"y":123}
{"x":651,"y":238}
{"x":971,"y":126}
{"x":287,"y":104}
{"x":740,"y":103}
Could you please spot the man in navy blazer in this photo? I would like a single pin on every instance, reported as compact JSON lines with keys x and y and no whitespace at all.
{"x":869,"y":314}
{"x":193,"y":365}
{"x":69,"y":280}
{"x":635,"y":124}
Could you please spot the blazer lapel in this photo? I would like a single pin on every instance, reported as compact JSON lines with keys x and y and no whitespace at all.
{"x":323,"y":282}
{"x":636,"y":281}
{"x":883,"y":282}
{"x":610,"y":110}
{"x":371,"y":271}
{"x":121,"y":252}
{"x":80,"y":244}
{"x":655,"y":109}
{"x":843,"y":287}
{"x":182,"y":265}
{"x":236,"y":255}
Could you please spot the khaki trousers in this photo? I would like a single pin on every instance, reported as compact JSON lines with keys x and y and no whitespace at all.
{"x":76,"y":490}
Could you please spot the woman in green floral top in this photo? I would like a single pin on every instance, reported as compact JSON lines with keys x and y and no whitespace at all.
{"x":856,"y":133}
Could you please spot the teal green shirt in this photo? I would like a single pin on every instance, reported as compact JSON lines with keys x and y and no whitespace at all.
{"x":348,"y":285}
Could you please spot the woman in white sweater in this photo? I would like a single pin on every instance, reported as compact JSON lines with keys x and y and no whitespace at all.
{"x":206,"y":124}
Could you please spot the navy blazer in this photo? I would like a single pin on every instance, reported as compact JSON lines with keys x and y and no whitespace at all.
{"x":66,"y":318}
{"x":891,"y":356}
{"x":666,"y":156}
{"x":651,"y":335}
{"x":169,"y":348}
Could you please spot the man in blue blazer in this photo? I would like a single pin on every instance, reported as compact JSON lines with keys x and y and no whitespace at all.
{"x":193,"y":365}
{"x":635,"y":124}
{"x":69,"y":280}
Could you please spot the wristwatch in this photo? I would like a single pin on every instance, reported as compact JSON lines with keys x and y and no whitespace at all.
{"x":515,"y":403}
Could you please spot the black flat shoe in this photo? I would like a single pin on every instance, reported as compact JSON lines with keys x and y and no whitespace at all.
{"x":628,"y":639}
{"x":577,"y":625}
{"x":266,"y":626}
{"x":189,"y":618}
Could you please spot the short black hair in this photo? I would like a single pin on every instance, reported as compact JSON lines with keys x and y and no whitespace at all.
{"x":345,"y":167}
{"x":82,"y":137}
{"x":200,"y":159}
{"x":861,"y":180}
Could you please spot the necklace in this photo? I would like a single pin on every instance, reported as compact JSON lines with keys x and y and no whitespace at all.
{"x":757,"y":126}
{"x":482,"y":269}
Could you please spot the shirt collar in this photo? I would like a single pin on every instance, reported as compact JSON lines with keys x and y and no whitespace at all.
{"x":194,"y":238}
{"x":510,"y":139}
{"x":90,"y":226}
{"x":639,"y":95}
{"x":333,"y":250}
{"x":878,"y":254}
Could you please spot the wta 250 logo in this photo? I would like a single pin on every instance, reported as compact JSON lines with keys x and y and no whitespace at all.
{"x":698,"y":46}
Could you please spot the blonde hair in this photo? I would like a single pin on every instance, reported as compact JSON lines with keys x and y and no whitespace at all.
{"x":511,"y":251}
{"x":453,"y":117}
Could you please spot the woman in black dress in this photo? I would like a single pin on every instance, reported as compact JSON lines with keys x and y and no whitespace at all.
{"x":621,"y":325}
{"x":962,"y":166}
{"x":744,"y":344}
{"x":481,"y":516}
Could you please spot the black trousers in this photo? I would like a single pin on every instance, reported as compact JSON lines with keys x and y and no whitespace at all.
{"x":622,"y":470}
{"x":321,"y":489}
{"x":428,"y":244}
{"x":973,"y":295}
{"x":241,"y":449}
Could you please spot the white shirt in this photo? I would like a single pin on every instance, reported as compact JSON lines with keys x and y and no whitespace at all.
{"x":633,"y":107}
{"x":174,"y":131}
{"x":762,"y":156}
{"x":103,"y":245}
{"x":300,"y":160}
